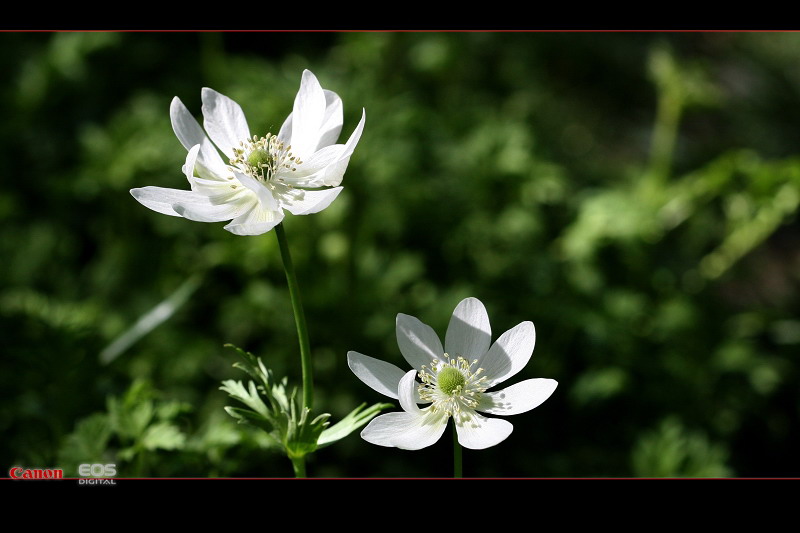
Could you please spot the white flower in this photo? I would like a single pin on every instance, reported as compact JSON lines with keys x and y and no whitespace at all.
{"x":262,"y":176}
{"x":454,"y":381}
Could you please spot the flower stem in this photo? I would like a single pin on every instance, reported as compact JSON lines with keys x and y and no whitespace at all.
{"x":457,"y":467}
{"x":300,"y":321}
{"x":299,"y":464}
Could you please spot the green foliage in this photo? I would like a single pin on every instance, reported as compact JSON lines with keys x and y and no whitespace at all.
{"x":356,"y":418}
{"x":672,"y":451}
{"x":635,"y":196}
{"x":285,"y":420}
{"x":87,"y":444}
{"x":132,"y":426}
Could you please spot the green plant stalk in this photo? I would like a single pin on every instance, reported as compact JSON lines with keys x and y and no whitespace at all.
{"x":458,"y":471}
{"x":299,"y":319}
{"x":670,"y":107}
{"x":299,"y":465}
{"x":140,"y":463}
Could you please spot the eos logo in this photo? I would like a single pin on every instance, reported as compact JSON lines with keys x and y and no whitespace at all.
{"x":97,"y":471}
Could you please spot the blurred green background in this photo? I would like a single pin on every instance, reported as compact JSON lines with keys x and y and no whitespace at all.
{"x":634,"y":195}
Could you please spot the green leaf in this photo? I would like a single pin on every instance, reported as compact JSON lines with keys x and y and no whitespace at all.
{"x":284,"y":419}
{"x":87,"y":444}
{"x":170,"y":409}
{"x":302,"y":436}
{"x":163,"y":435}
{"x":249,"y":396}
{"x":130,"y":415}
{"x":246,"y":416}
{"x":672,"y":450}
{"x":252,"y":365}
{"x":350,"y":423}
{"x":279,"y":395}
{"x":127,"y":454}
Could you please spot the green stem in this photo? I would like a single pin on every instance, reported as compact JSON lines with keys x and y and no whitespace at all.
{"x":140,"y":463}
{"x":299,"y":464}
{"x":665,"y":133}
{"x":457,"y":467}
{"x":299,"y":319}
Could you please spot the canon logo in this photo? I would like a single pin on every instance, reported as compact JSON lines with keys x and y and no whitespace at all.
{"x":18,"y":472}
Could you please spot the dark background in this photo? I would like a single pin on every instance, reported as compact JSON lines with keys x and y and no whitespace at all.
{"x":633,"y":194}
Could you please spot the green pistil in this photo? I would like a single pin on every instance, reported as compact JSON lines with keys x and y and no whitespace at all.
{"x":450,"y":380}
{"x":259,"y":158}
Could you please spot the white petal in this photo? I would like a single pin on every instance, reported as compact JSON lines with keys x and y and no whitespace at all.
{"x":518,"y":398}
{"x":213,"y":213}
{"x":509,"y":354}
{"x":334,"y":173}
{"x":468,"y":334}
{"x":265,"y":197}
{"x":332,"y":121}
{"x":307,"y":115}
{"x":224,"y":121}
{"x":407,"y":392}
{"x":326,"y":166}
{"x":285,"y":133}
{"x":191,"y":162}
{"x":351,"y":143}
{"x":312,"y":201}
{"x":223,"y":192}
{"x":190,"y":133}
{"x":479,"y":432}
{"x":162,"y":200}
{"x":381,"y":376}
{"x":310,"y":172}
{"x":317,"y":162}
{"x":418,"y":343}
{"x":255,"y":222}
{"x":406,"y":431}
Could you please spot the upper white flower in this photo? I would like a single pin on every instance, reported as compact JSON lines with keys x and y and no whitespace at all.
{"x":263,"y":175}
{"x":454,"y":380}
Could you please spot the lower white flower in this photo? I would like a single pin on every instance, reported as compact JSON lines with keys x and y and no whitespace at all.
{"x":454,"y":381}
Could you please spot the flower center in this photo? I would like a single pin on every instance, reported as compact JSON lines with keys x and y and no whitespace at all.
{"x":451,"y":386}
{"x":259,"y":158}
{"x":450,"y":380}
{"x":262,"y":158}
